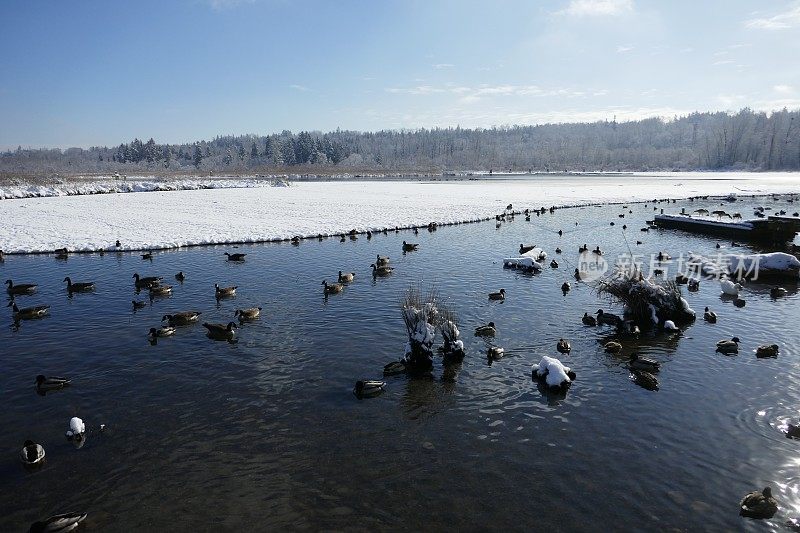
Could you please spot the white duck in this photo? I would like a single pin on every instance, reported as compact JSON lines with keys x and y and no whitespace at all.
{"x":730,"y":288}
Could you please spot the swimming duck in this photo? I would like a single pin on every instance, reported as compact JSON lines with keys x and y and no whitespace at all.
{"x":382,"y":261}
{"x":582,"y":249}
{"x":346,"y":277}
{"x":147,"y":282}
{"x":61,"y":253}
{"x":563,"y":346}
{"x":138,"y":304}
{"x":777,"y":292}
{"x":76,"y":428}
{"x":160,"y":290}
{"x":148,"y":256}
{"x":608,"y":318}
{"x":409,"y":247}
{"x":739,"y":302}
{"x":645,"y":379}
{"x":565,"y":287}
{"x":85,"y":286}
{"x":643,"y":363}
{"x":554,"y":263}
{"x":577,"y":275}
{"x":182,"y":318}
{"x":22,"y":288}
{"x":368,"y":388}
{"x":500,"y":295}
{"x":793,"y":431}
{"x":48,"y":383}
{"x":728,"y":346}
{"x":489,"y":330}
{"x":681,"y":279}
{"x":767,"y":350}
{"x":180,"y":277}
{"x":235,"y":257}
{"x":669,"y":325}
{"x":495,"y":352}
{"x":523,"y":248}
{"x":32,"y":454}
{"x":758,"y":504}
{"x":597,"y":251}
{"x":393,"y":368}
{"x":710,"y":316}
{"x":221,"y":331}
{"x":165,"y":331}
{"x":589,"y":320}
{"x":612,"y":347}
{"x":60,"y":523}
{"x":248,"y":314}
{"x":331,"y":288}
{"x":383,"y":270}
{"x":221,"y":292}
{"x":28,"y":312}
{"x":693,"y":284}
{"x":730,"y":288}
{"x":558,"y":250}
{"x":296,"y":240}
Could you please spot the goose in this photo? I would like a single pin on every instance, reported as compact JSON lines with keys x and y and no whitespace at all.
{"x":582,"y":249}
{"x":767,"y":350}
{"x":608,"y":318}
{"x":554,"y":263}
{"x":663,"y":257}
{"x":612,"y":347}
{"x":47,"y":383}
{"x":235,"y":257}
{"x":495,"y":352}
{"x":793,"y":431}
{"x":728,"y":346}
{"x":28,"y":312}
{"x":577,"y":275}
{"x":250,"y":313}
{"x":117,"y":244}
{"x":597,"y":251}
{"x":221,"y":331}
{"x":669,"y":325}
{"x":180,"y":277}
{"x":693,"y":284}
{"x":346,"y":277}
{"x":563,"y":346}
{"x":138,"y":304}
{"x":296,"y":240}
{"x":382,"y":261}
{"x":739,"y":302}
{"x":182,"y":318}
{"x":61,"y":253}
{"x":160,"y":290}
{"x":409,"y":247}
{"x":759,"y":504}
{"x":32,"y":454}
{"x":523,"y":249}
{"x":146,"y":282}
{"x":368,"y":388}
{"x":500,"y":295}
{"x":147,"y":256}
{"x":221,"y":292}
{"x":777,"y":292}
{"x":164,"y":331}
{"x":60,"y":523}
{"x":383,"y":270}
{"x":730,"y":288}
{"x":681,"y":279}
{"x":84,"y":286}
{"x":489,"y":330}
{"x":22,"y":288}
{"x":393,"y":368}
{"x":645,"y":379}
{"x":558,"y":250}
{"x":710,"y":316}
{"x":331,"y":288}
{"x":589,"y":320}
{"x":643,"y":363}
{"x":76,"y":428}
{"x":565,"y":287}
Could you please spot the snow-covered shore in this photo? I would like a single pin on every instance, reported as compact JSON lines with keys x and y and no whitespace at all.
{"x":263,"y":213}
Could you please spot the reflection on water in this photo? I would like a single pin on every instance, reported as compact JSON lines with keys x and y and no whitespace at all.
{"x":266,"y":430}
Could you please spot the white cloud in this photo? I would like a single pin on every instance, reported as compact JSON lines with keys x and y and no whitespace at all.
{"x":730,"y":100}
{"x":723,"y":62}
{"x":301,"y":88}
{"x":783,"y":89}
{"x":788,"y":19}
{"x":440,"y":66}
{"x":473,"y":94}
{"x":621,"y":49}
{"x":582,"y":8}
{"x":219,"y":5}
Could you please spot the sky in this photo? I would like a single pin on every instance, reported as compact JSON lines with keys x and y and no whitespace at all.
{"x":98,"y":72}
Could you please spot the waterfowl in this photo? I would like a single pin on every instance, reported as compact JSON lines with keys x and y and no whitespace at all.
{"x":48,"y":383}
{"x":2,"y":257}
{"x":739,"y":302}
{"x":76,"y":428}
{"x":147,"y":256}
{"x":793,"y":431}
{"x":489,"y":330}
{"x":577,"y":275}
{"x":693,"y":284}
{"x":180,"y":277}
{"x":28,"y":312}
{"x":84,"y":286}
{"x":759,"y":504}
{"x":608,"y":318}
{"x":612,"y":347}
{"x":182,"y":318}
{"x":500,"y":295}
{"x":221,"y":331}
{"x":296,"y":240}
{"x":382,"y":261}
{"x":146,"y":282}
{"x":368,"y":388}
{"x":22,"y":288}
{"x":221,"y":292}
{"x":681,"y":279}
{"x":138,"y":304}
{"x":60,"y":523}
{"x":589,"y":320}
{"x":117,"y":244}
{"x":409,"y":247}
{"x":250,"y":313}
{"x":523,"y":249}
{"x":331,"y":288}
{"x":393,"y":368}
{"x":165,"y":331}
{"x":710,"y":316}
{"x":730,"y":288}
{"x":669,"y":325}
{"x":383,"y":270}
{"x":160,"y":290}
{"x":495,"y":352}
{"x":643,"y":363}
{"x":777,"y":292}
{"x":728,"y":346}
{"x":235,"y":257}
{"x":346,"y":277}
{"x":343,"y":239}
{"x":597,"y":251}
{"x":554,"y":264}
{"x":645,"y":379}
{"x":563,"y":346}
{"x":582,"y":249}
{"x":767,"y":350}
{"x":32,"y":454}
{"x":565,"y":287}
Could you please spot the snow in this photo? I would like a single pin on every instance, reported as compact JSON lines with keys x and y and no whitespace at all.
{"x":669,"y":325}
{"x":770,"y":262}
{"x":553,"y":370}
{"x":250,"y":210}
{"x":76,"y":427}
{"x":525,"y":263}
{"x":707,"y":221}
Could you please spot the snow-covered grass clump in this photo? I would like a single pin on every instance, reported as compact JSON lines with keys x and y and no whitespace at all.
{"x":645,"y":299}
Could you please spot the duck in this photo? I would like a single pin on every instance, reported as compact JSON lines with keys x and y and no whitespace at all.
{"x":793,"y":431}
{"x":32,"y":454}
{"x":160,"y":290}
{"x":643,"y":363}
{"x":346,"y":277}
{"x":693,"y":284}
{"x":180,"y":277}
{"x":146,"y":282}
{"x":612,"y":347}
{"x":554,"y":263}
{"x":61,"y":253}
{"x":235,"y":257}
{"x":409,"y":247}
{"x":728,"y":346}
{"x":84,"y":286}
{"x":566,"y":287}
{"x":669,"y":325}
{"x":589,"y":320}
{"x":221,"y":292}
{"x":582,"y":249}
{"x":525,"y":248}
{"x":777,"y":292}
{"x":710,"y":316}
{"x":500,"y":295}
{"x":563,"y":346}
{"x":730,"y":288}
{"x":608,"y":318}
{"x":367,"y":388}
{"x":76,"y":429}
{"x":27,"y":313}
{"x":48,"y":383}
{"x":495,"y":352}
{"x":296,"y":240}
{"x":137,"y":304}
{"x":394,"y":368}
{"x":331,"y":288}
{"x":488,"y":330}
{"x":165,"y":331}
{"x":22,"y":288}
{"x":597,"y":251}
{"x":645,"y":379}
{"x":767,"y":350}
{"x":59,"y":523}
{"x":383,"y":270}
{"x":148,"y":256}
{"x":681,"y":279}
{"x":577,"y":275}
{"x":182,"y":318}
{"x":250,"y":313}
{"x":739,"y":302}
{"x":221,"y":331}
{"x":759,"y":504}
{"x":382,"y":260}
{"x":558,"y":250}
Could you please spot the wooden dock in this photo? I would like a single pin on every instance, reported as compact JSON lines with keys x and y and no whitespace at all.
{"x":776,"y":230}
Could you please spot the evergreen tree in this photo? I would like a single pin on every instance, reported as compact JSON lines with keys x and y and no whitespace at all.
{"x":198,"y":156}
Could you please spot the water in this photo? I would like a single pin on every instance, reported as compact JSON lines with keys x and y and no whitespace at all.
{"x":266,"y":434}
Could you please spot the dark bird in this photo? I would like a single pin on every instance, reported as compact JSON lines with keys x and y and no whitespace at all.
{"x":22,"y":288}
{"x":60,"y":523}
{"x":235,"y":257}
{"x":84,"y":286}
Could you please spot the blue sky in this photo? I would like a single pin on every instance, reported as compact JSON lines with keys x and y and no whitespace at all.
{"x":102,"y":72}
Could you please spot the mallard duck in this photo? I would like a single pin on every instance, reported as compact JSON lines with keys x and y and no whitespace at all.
{"x":28,"y":312}
{"x":160,"y":290}
{"x":76,"y":428}
{"x":728,"y":346}
{"x":489,"y":330}
{"x":758,"y":504}
{"x":146,"y":282}
{"x":393,"y":368}
{"x":495,"y":352}
{"x":221,"y":292}
{"x":138,"y":304}
{"x":221,"y":331}
{"x":767,"y":350}
{"x":48,"y":383}
{"x":331,"y":288}
{"x":32,"y":454}
{"x":730,"y":288}
{"x":553,"y":264}
{"x":165,"y":331}
{"x":777,"y":292}
{"x":383,"y":270}
{"x":565,"y":287}
{"x":710,"y":316}
{"x":500,"y":295}
{"x":523,"y":248}
{"x":235,"y":257}
{"x":645,"y":379}
{"x":382,"y":261}
{"x":368,"y":388}
{"x":60,"y":523}
{"x":346,"y":277}
{"x":22,"y":288}
{"x":739,"y":302}
{"x":563,"y":346}
{"x":84,"y":286}
{"x":608,"y":318}
{"x":589,"y":320}
{"x":612,"y":347}
{"x":180,"y":277}
{"x":250,"y":313}
{"x":409,"y":247}
{"x":643,"y":363}
{"x":182,"y":318}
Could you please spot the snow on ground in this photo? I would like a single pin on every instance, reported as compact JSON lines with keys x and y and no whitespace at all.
{"x":226,"y":215}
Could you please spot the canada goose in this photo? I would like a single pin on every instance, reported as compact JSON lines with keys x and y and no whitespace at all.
{"x":509,"y":207}
{"x":582,"y":249}
{"x":495,"y":352}
{"x":346,"y":277}
{"x":22,"y":288}
{"x":644,"y":379}
{"x":577,"y":275}
{"x":32,"y":454}
{"x":146,"y":282}
{"x":393,"y":368}
{"x":368,"y":388}
{"x":739,"y":302}
{"x":597,"y":251}
{"x":563,"y":346}
{"x":165,"y":331}
{"x":28,"y":312}
{"x":160,"y":290}
{"x":710,"y":316}
{"x":235,"y":257}
{"x":182,"y":318}
{"x":221,"y":292}
{"x":643,"y":363}
{"x":138,"y":304}
{"x":759,"y":504}
{"x":554,"y":264}
{"x":409,"y":247}
{"x":488,"y":330}
{"x":46,"y":383}
{"x":693,"y":284}
{"x":608,"y":318}
{"x":730,"y":288}
{"x":221,"y":331}
{"x":523,"y":249}
{"x":85,"y":286}
{"x":250,"y":313}
{"x":728,"y":346}
{"x":331,"y":288}
{"x":382,"y":261}
{"x":180,"y":277}
{"x":384,"y":270}
{"x":60,"y":523}
{"x":565,"y":287}
{"x":612,"y":347}
{"x":147,"y":256}
{"x":777,"y":292}
{"x":589,"y":320}
{"x":500,"y":295}
{"x":767,"y":350}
